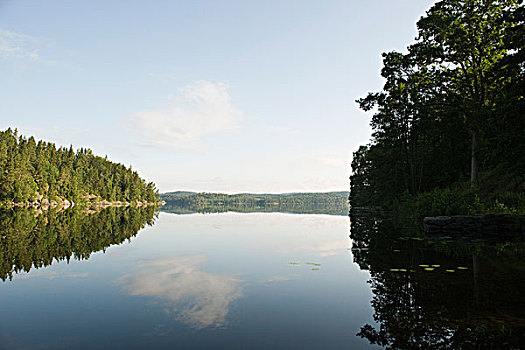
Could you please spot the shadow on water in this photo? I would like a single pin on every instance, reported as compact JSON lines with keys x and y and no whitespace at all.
{"x":34,"y":239}
{"x":441,"y":293}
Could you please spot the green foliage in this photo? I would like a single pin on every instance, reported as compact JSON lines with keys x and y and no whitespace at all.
{"x":31,"y":170}
{"x":410,"y":210}
{"x":451,"y":104}
{"x":335,"y":203}
{"x":510,"y":202}
{"x":453,"y":101}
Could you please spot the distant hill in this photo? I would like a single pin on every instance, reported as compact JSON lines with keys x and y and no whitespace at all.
{"x":335,"y":203}
{"x":179,"y":193}
{"x":189,"y":193}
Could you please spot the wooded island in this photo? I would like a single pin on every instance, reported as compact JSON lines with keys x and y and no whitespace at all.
{"x":37,"y":173}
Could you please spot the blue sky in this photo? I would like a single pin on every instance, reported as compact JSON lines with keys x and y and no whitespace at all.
{"x":230,"y":96}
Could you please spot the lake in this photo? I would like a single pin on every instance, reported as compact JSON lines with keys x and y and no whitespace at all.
{"x":229,"y":280}
{"x":125,"y":278}
{"x":441,"y":293}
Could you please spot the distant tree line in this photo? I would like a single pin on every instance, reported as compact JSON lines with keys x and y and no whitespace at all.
{"x":449,"y":124}
{"x":335,"y":203}
{"x":31,"y":170}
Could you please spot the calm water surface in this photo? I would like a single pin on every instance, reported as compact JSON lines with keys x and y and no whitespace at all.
{"x":231,"y":281}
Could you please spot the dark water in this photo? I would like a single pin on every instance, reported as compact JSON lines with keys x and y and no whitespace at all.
{"x":441,"y":293}
{"x":227,"y":281}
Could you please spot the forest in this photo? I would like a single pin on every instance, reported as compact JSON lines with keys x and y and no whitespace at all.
{"x":38,"y":171}
{"x":449,"y":124}
{"x":334,"y":203}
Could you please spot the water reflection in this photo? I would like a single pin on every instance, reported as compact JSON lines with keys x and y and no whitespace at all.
{"x":182,"y":283}
{"x":197,"y":298}
{"x":441,"y":294}
{"x":50,"y":275}
{"x":34,"y":239}
{"x":328,"y":248}
{"x":321,"y":205}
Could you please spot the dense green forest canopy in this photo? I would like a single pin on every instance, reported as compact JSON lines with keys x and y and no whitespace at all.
{"x":33,"y":170}
{"x":449,"y":123}
{"x":30,"y":238}
{"x":335,"y":203}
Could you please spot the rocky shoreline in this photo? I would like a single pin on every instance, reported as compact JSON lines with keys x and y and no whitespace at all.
{"x":88,"y":201}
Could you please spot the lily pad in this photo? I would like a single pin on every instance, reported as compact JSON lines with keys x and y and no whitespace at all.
{"x":424,"y":265}
{"x":450,"y":270}
{"x":462,"y":268}
{"x":429,"y":269}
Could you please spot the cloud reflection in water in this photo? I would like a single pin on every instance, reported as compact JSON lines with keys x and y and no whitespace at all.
{"x":199,"y":299}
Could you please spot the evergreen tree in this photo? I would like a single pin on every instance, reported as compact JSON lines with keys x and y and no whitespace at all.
{"x":31,"y":170}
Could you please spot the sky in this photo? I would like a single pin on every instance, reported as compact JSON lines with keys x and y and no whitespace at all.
{"x":217,"y":96}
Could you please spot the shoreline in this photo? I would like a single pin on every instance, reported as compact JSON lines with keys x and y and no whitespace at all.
{"x":64,"y":204}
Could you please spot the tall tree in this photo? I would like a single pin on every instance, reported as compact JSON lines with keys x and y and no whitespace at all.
{"x":463,"y":42}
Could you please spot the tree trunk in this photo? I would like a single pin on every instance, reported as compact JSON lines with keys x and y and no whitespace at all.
{"x":474,"y":159}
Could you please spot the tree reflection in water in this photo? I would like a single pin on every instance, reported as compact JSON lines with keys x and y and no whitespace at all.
{"x":440,"y":294}
{"x":33,"y":239}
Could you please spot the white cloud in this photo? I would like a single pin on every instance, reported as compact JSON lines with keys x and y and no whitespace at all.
{"x":14,"y":45}
{"x":199,"y":109}
{"x":197,"y":298}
